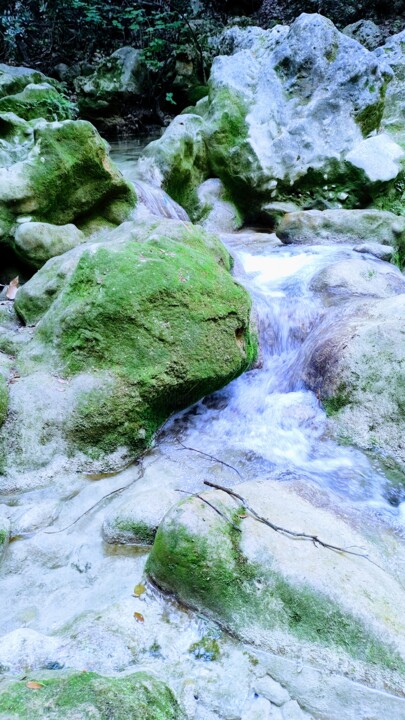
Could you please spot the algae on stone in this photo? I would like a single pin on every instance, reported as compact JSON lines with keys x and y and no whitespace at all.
{"x":88,"y":695}
{"x":276,"y":591}
{"x":38,"y":101}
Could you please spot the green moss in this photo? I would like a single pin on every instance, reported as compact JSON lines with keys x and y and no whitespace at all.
{"x":87,"y":695}
{"x":370,"y":118}
{"x":74,"y":176}
{"x":336,"y":402}
{"x":3,"y":537}
{"x":206,"y":649}
{"x":3,"y":400}
{"x":38,"y":101}
{"x":211,"y":573}
{"x":138,"y":532}
{"x":228,"y":148}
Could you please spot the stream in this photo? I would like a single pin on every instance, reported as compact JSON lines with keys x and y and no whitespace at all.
{"x":67,"y":596}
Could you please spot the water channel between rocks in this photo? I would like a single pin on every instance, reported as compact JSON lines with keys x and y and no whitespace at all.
{"x":67,"y":597}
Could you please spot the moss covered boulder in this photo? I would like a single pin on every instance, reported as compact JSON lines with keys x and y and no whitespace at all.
{"x":14,"y":79}
{"x":283,"y":594}
{"x":141,"y":325}
{"x":38,"y":101}
{"x":58,"y":173}
{"x":86,"y":695}
{"x":287,"y":116}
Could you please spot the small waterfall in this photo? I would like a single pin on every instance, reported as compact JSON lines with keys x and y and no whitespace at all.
{"x":267,"y":420}
{"x":158,"y":202}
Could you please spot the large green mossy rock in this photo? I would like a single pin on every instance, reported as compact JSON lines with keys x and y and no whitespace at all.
{"x":88,"y":696}
{"x":161,"y":315}
{"x":139,"y":326}
{"x":288,"y":117}
{"x":58,"y":173}
{"x":38,"y":101}
{"x":282,"y":594}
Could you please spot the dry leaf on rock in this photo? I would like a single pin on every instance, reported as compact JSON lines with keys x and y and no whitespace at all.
{"x":12,"y":288}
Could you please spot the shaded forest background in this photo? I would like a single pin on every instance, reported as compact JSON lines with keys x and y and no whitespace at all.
{"x":68,"y":38}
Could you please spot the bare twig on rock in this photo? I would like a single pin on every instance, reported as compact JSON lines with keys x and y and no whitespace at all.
{"x":210,"y":457}
{"x":284,"y":531}
{"x":207,"y":502}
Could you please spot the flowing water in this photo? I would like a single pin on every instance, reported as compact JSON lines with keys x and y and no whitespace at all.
{"x":67,"y":597}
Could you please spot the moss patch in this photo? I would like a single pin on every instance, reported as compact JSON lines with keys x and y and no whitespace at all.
{"x":211,"y":573}
{"x":3,"y":399}
{"x":87,"y":695}
{"x":38,"y":101}
{"x":74,"y":175}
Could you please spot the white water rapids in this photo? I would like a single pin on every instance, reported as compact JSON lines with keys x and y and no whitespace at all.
{"x":66,"y":598}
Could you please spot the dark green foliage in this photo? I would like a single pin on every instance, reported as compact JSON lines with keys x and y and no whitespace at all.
{"x":48,"y":33}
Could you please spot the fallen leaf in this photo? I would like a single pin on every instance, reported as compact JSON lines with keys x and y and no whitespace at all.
{"x":12,"y":288}
{"x":32,"y":685}
{"x":139,"y":590}
{"x":139,"y":617}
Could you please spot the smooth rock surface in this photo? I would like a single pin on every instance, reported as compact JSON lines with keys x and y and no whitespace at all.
{"x":37,"y":242}
{"x":358,"y":278}
{"x":323,"y":227}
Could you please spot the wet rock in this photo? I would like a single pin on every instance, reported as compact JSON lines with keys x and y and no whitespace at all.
{"x":38,"y":242}
{"x":355,"y":362}
{"x":14,"y":79}
{"x":119,"y":78}
{"x":140,"y":325}
{"x":88,"y":695}
{"x":136,"y":520}
{"x":393,"y":52}
{"x":355,"y":278}
{"x":365,"y":32}
{"x":178,"y":161}
{"x":304,"y":604}
{"x":316,"y":227}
